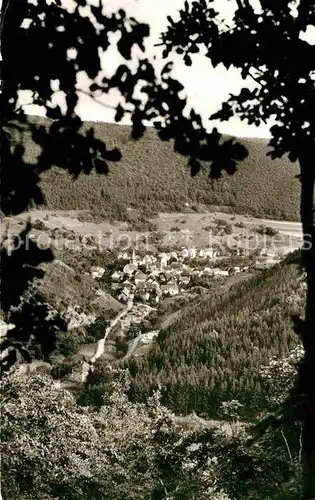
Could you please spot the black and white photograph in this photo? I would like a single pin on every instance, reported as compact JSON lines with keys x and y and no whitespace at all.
{"x":157,"y":320}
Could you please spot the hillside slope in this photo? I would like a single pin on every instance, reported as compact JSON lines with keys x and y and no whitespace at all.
{"x":214,"y":351}
{"x":151,"y":177}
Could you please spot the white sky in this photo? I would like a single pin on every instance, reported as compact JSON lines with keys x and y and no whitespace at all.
{"x":206,"y":87}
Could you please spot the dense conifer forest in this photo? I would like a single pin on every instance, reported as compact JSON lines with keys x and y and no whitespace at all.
{"x":152,"y":178}
{"x":214,"y":351}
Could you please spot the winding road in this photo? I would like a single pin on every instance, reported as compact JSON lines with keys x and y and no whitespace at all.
{"x":86,"y":367}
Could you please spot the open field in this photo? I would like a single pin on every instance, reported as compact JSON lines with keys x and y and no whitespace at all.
{"x":171,"y":229}
{"x":201,"y":230}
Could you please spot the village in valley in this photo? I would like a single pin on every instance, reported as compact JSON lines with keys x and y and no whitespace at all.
{"x":142,"y":281}
{"x":138,"y":289}
{"x":149,"y":278}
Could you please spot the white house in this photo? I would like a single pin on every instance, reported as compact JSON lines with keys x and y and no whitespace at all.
{"x":115,"y":286}
{"x":192,"y":253}
{"x":146,"y":338}
{"x":97,"y":272}
{"x":130,"y":300}
{"x":164,"y":258}
{"x":122,"y":256}
{"x":171,"y":288}
{"x":184,"y":253}
{"x":127,"y":283}
{"x":153,"y":273}
{"x":219,"y":272}
{"x":5,"y":327}
{"x":271,"y":260}
{"x":117,"y":275}
{"x":147,"y":260}
{"x":210,"y":252}
{"x":214,"y":334}
{"x":145,"y":295}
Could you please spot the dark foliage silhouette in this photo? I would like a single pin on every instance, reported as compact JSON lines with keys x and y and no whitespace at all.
{"x":19,"y":266}
{"x":46,"y":50}
{"x":34,"y":333}
{"x":40,"y":56}
{"x":44,"y":43}
{"x":265,"y":43}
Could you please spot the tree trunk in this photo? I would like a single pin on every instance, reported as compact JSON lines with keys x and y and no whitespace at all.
{"x":307,"y":327}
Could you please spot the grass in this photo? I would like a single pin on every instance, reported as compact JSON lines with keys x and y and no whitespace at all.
{"x":152,"y":178}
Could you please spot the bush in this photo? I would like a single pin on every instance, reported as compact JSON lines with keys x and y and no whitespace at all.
{"x":54,"y":448}
{"x":39,"y":225}
{"x":270,"y":231}
{"x":96,"y":330}
{"x":63,"y":368}
{"x":121,"y":345}
{"x":266,"y":230}
{"x":220,"y":222}
{"x":228,"y":228}
{"x":225,"y":226}
{"x":69,"y":342}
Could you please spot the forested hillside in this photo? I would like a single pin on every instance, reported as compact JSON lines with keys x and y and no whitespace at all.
{"x":152,"y":178}
{"x":214,"y":351}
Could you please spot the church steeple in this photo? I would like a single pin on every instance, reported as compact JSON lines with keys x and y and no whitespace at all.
{"x":134,"y":261}
{"x":163,"y":262}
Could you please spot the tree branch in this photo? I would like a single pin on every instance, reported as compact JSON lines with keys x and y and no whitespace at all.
{"x":287,"y":445}
{"x":301,"y":444}
{"x":108,"y":106}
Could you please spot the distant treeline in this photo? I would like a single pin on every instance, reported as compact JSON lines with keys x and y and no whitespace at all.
{"x":152,"y":178}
